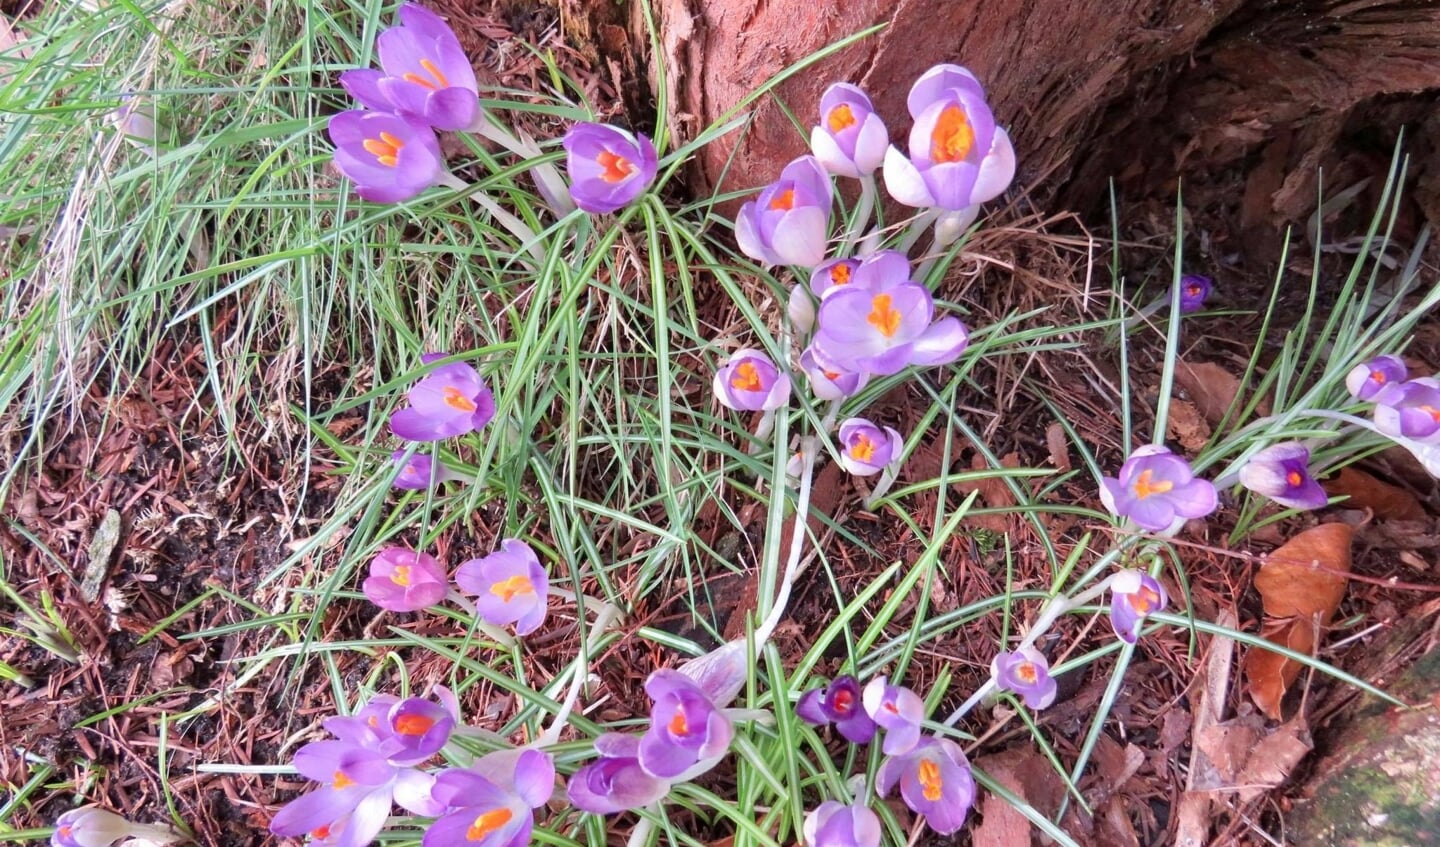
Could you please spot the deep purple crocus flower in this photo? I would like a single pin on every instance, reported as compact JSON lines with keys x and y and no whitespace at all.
{"x":790,"y":220}
{"x":1133,"y":595}
{"x":450,"y":400}
{"x":404,"y":580}
{"x":1410,"y":409}
{"x":851,"y":139}
{"x":898,"y":710}
{"x":1157,"y":490}
{"x":958,"y":157}
{"x":687,"y":733}
{"x":884,"y":332}
{"x":838,"y":703}
{"x":420,"y":472}
{"x":1027,"y":673}
{"x":829,"y":381}
{"x":1194,"y":291}
{"x":832,"y":273}
{"x":1367,"y":378}
{"x":390,"y":158}
{"x":867,"y":449}
{"x":510,"y":586}
{"x":834,"y":824}
{"x":608,"y":166}
{"x":615,"y":782}
{"x":426,"y":75}
{"x":492,"y":803}
{"x":750,"y":382}
{"x":935,"y":781}
{"x":1282,"y":473}
{"x":406,"y":732}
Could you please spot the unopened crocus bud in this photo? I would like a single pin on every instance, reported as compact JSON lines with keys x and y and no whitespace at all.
{"x":92,"y":826}
{"x":420,"y":472}
{"x":1194,"y":291}
{"x":898,"y":710}
{"x":835,"y":824}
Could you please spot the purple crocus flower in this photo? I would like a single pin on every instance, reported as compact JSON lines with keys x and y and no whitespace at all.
{"x":492,"y":803}
{"x":958,"y":157}
{"x":1194,"y":291}
{"x":884,"y":332}
{"x":406,"y":732}
{"x":404,"y":580}
{"x":1133,"y":595}
{"x":426,"y":75}
{"x":935,"y":781}
{"x":390,"y":158}
{"x":834,"y":824}
{"x":851,"y":139}
{"x":1027,"y":673}
{"x":1410,"y":409}
{"x":420,"y":472}
{"x":450,"y":400}
{"x":790,"y":220}
{"x":1366,"y":379}
{"x":750,"y":382}
{"x":832,"y":273}
{"x":897,"y":710}
{"x":867,"y":449}
{"x":1157,"y":490}
{"x":687,"y":733}
{"x":1282,"y":473}
{"x":510,"y":586}
{"x":608,"y":166}
{"x":616,"y":782}
{"x":92,"y":826}
{"x":829,"y":381}
{"x":838,"y":703}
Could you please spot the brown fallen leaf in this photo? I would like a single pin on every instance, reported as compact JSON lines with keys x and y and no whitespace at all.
{"x":1058,"y":445}
{"x":1388,"y":502}
{"x":1186,"y":425}
{"x":1210,"y":387}
{"x":1301,"y":585}
{"x":1024,"y":771}
{"x":1274,"y":758}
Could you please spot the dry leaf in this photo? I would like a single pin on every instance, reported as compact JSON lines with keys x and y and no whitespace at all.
{"x":1029,"y":775}
{"x":1058,"y":445}
{"x":1186,"y":425}
{"x":1211,"y":388}
{"x":1301,"y":585}
{"x":1274,"y":758}
{"x":1388,"y":502}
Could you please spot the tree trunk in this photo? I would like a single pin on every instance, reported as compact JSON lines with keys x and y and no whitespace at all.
{"x":1141,"y":90}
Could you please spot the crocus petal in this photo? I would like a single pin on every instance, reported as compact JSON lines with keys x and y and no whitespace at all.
{"x":997,"y":169}
{"x":905,"y":182}
{"x":364,"y":85}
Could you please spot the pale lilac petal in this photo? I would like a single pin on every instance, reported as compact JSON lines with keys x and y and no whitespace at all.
{"x":904,"y":181}
{"x":997,"y":169}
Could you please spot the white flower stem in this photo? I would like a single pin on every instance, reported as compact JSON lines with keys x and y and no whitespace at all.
{"x":882,"y":485}
{"x":861,"y":221}
{"x":493,"y":632}
{"x":547,"y":180}
{"x":578,"y":669}
{"x":917,"y":228}
{"x":808,"y":448}
{"x":528,"y":241}
{"x":762,"y":432}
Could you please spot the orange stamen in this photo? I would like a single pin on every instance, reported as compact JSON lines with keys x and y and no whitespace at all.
{"x":952,"y":137}
{"x":1027,"y":673}
{"x":863,"y":449}
{"x":401,"y":576}
{"x":507,"y":589}
{"x":340,"y":780}
{"x":321,"y":831}
{"x":436,"y":81}
{"x":840,"y":274}
{"x":678,"y":724}
{"x":840,"y":118}
{"x":1143,"y":601}
{"x":1294,"y":478}
{"x":1433,"y":412}
{"x":883,"y":316}
{"x":746,"y":378}
{"x":385,"y":149}
{"x":413,"y":724}
{"x":487,"y":823}
{"x":784,"y":200}
{"x":1378,"y":377}
{"x":1144,"y":487}
{"x":843,"y":701}
{"x":617,"y":168}
{"x":930,"y":781}
{"x":456,"y":400}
